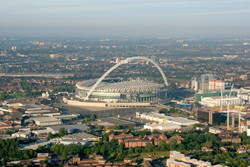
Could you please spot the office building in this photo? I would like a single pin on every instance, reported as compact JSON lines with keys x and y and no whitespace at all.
{"x":210,"y":117}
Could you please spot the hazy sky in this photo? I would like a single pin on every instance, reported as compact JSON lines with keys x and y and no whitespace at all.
{"x":174,"y":18}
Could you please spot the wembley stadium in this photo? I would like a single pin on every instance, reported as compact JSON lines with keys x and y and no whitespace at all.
{"x":118,"y":90}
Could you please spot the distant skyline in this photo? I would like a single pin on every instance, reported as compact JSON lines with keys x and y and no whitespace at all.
{"x":114,"y":18}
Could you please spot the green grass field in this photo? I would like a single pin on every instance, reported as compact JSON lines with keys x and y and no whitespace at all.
{"x":157,"y":154}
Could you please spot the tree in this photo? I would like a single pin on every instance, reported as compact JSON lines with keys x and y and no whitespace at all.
{"x":197,"y":125}
{"x":172,"y":110}
{"x":20,"y":110}
{"x":172,"y":144}
{"x":3,"y":162}
{"x":63,"y":132}
{"x":172,"y":85}
{"x":50,"y":135}
{"x":181,"y":147}
{"x":116,"y":127}
{"x":130,"y":150}
{"x":155,"y":131}
{"x":44,"y":162}
{"x":206,"y":130}
{"x":64,"y":155}
{"x":7,"y":132}
{"x":195,"y":104}
{"x":162,"y":145}
{"x":39,"y":149}
{"x":100,"y":127}
{"x":121,"y":147}
{"x":87,"y":120}
{"x":149,"y":146}
{"x":208,"y":144}
{"x":29,"y":163}
{"x":163,"y":110}
{"x":93,"y":117}
{"x":131,"y":128}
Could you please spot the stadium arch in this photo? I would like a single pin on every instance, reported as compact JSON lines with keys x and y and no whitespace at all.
{"x":124,"y":62}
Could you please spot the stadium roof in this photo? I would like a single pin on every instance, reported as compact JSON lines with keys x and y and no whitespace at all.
{"x":91,"y":82}
{"x":117,"y":85}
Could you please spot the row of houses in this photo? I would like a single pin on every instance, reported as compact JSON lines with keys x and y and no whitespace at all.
{"x":138,"y":141}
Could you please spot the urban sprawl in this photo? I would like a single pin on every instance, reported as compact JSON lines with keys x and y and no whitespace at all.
{"x":116,"y":102}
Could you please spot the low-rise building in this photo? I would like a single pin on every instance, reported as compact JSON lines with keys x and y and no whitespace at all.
{"x":46,"y":121}
{"x":34,"y":146}
{"x":119,"y":122}
{"x":223,"y":149}
{"x":22,"y":134}
{"x":73,"y":141}
{"x":214,"y":130}
{"x":120,"y":136}
{"x":228,"y":136}
{"x":241,"y":150}
{"x":5,"y":125}
{"x":162,"y":118}
{"x":69,"y":128}
{"x":161,"y":126}
{"x":140,"y":141}
{"x":179,"y":160}
{"x":42,"y":156}
{"x":82,"y":136}
{"x":96,"y":160}
{"x":206,"y":149}
{"x":218,"y":101}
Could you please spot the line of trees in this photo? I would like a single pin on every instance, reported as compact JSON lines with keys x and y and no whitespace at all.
{"x":9,"y":149}
{"x":193,"y":141}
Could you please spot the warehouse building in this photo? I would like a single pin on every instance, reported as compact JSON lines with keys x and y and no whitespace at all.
{"x":116,"y":121}
{"x":66,"y":117}
{"x":43,"y":112}
{"x":73,"y":141}
{"x":34,"y":146}
{"x":70,"y":128}
{"x":162,"y":126}
{"x":22,"y":134}
{"x":5,"y":125}
{"x":218,"y":101}
{"x":105,"y":125}
{"x":82,"y":136}
{"x":46,"y":121}
{"x":199,"y":96}
{"x":162,"y":118}
{"x":30,"y":106}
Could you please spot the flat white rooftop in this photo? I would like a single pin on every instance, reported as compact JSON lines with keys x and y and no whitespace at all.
{"x":169,"y":119}
{"x":162,"y":126}
{"x":46,"y":119}
{"x":2,"y":123}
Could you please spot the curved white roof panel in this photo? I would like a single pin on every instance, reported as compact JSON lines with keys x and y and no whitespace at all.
{"x":115,"y":84}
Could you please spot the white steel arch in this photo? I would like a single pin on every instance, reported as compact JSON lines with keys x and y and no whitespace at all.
{"x":124,"y":62}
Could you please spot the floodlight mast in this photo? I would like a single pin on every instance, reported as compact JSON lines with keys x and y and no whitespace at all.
{"x":124,"y":62}
{"x":228,"y":107}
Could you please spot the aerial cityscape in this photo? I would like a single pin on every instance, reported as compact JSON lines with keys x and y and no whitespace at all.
{"x":133,"y":83}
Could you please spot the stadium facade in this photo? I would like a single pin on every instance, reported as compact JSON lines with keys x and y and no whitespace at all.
{"x":118,"y":90}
